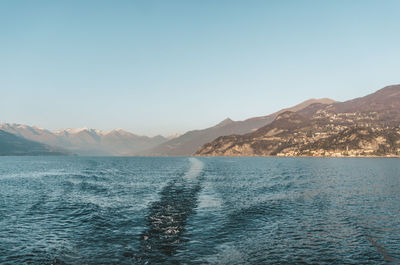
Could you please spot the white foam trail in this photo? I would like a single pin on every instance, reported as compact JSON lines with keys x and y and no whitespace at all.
{"x":208,"y":200}
{"x":195,"y":169}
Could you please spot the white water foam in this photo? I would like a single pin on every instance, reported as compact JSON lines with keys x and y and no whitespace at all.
{"x":195,"y":169}
{"x":208,"y":200}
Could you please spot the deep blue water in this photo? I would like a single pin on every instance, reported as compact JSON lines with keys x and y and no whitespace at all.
{"x":81,"y":210}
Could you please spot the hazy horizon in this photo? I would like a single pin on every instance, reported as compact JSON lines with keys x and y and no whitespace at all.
{"x":168,"y":67}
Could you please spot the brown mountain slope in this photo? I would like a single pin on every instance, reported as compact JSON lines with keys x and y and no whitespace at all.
{"x":363,"y":126}
{"x":190,"y":142}
{"x":357,"y":141}
{"x":294,"y":135}
{"x":384,"y":104}
{"x":268,"y":140}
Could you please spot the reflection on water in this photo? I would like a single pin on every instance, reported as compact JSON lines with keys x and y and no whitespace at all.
{"x":76,"y":210}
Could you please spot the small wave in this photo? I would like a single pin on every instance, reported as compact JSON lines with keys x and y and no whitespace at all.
{"x":381,"y":250}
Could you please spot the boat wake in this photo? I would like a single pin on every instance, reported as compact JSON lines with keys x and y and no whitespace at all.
{"x":167,"y":217}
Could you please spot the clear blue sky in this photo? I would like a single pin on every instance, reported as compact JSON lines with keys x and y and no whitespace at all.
{"x":164,"y":66}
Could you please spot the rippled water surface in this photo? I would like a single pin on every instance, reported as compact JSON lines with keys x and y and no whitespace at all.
{"x":77,"y":210}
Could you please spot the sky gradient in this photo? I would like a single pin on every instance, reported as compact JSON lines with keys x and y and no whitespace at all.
{"x":164,"y":67}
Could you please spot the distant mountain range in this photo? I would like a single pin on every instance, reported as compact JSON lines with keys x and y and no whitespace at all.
{"x":91,"y":142}
{"x":87,"y":141}
{"x":363,"y":126}
{"x":366,"y":126}
{"x":11,"y":144}
{"x":190,"y":142}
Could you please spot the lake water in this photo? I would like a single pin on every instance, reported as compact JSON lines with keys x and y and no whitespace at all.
{"x":182,"y":210}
